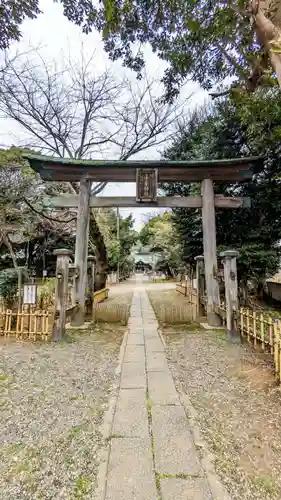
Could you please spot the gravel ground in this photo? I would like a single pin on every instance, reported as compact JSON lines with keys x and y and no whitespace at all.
{"x":238,"y":405}
{"x":53,"y":397}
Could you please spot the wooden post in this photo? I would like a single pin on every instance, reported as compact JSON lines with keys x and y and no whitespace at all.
{"x":63,"y":256}
{"x":81,"y":250}
{"x":210,"y":251}
{"x":231,"y":291}
{"x":200,"y":310}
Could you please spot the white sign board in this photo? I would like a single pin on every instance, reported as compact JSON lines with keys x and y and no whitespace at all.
{"x":29,"y":294}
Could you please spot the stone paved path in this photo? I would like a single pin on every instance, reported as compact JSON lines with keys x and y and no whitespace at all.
{"x":152,"y":453}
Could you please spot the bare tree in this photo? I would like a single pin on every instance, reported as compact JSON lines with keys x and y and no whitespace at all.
{"x":73,"y":111}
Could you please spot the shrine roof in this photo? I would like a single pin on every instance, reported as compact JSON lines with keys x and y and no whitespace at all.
{"x":65,"y":169}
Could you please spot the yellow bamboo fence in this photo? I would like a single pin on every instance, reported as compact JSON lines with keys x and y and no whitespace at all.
{"x":26,"y":324}
{"x":262,"y":332}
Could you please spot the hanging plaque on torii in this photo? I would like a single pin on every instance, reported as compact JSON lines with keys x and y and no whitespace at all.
{"x":146,"y":184}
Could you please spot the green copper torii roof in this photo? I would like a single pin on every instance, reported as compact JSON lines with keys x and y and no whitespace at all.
{"x":67,"y":169}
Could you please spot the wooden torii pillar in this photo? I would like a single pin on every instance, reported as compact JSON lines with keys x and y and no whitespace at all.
{"x":81,"y":250}
{"x":210,"y":251}
{"x":147,"y":174}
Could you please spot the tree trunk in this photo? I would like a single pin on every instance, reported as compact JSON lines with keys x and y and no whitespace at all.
{"x":98,"y":245}
{"x":268,"y":34}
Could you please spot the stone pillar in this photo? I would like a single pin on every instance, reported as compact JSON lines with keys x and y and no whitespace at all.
{"x":81,"y":250}
{"x":63,"y":256}
{"x":200,"y":285}
{"x":231,"y":290}
{"x":210,"y":251}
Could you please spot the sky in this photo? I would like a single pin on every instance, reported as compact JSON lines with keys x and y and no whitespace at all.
{"x":56,"y":35}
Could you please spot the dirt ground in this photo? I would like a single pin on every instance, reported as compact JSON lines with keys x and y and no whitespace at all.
{"x":53,"y":397}
{"x":238,"y":405}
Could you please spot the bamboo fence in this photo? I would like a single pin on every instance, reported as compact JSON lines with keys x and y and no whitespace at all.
{"x":263,"y":332}
{"x":26,"y":323}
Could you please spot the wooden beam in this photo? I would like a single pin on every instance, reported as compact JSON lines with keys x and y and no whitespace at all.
{"x":224,"y":170}
{"x":71,"y":201}
{"x":71,"y":174}
{"x":210,"y":252}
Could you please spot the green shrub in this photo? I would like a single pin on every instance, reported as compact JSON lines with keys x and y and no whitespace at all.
{"x":9,"y":286}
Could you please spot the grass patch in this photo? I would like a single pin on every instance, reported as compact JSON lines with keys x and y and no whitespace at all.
{"x":76,"y":398}
{"x":3,"y":378}
{"x":265,"y":484}
{"x":11,"y":449}
{"x":23,"y":467}
{"x":159,"y":476}
{"x":82,"y":487}
{"x":75,"y":430}
{"x":149,"y":413}
{"x":177,"y":476}
{"x":70,"y":337}
{"x":193,"y":328}
{"x":114,"y":436}
{"x":188,"y":328}
{"x":219,"y":336}
{"x":149,"y":406}
{"x":158,"y":484}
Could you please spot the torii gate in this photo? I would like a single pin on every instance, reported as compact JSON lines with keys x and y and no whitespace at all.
{"x":147,"y":174}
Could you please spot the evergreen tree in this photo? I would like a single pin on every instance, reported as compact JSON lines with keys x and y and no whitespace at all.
{"x":234,"y":128}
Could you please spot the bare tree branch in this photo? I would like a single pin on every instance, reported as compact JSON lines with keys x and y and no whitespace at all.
{"x":76,"y":112}
{"x":52,"y":219}
{"x":214,"y":95}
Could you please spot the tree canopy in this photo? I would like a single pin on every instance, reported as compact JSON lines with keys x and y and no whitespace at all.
{"x":118,"y":246}
{"x":12,"y":15}
{"x":229,"y":130}
{"x":160,"y":235}
{"x":207,"y":41}
{"x":28,"y":232}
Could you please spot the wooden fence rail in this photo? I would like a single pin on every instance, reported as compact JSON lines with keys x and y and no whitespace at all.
{"x":262,"y":332}
{"x":26,"y":324}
